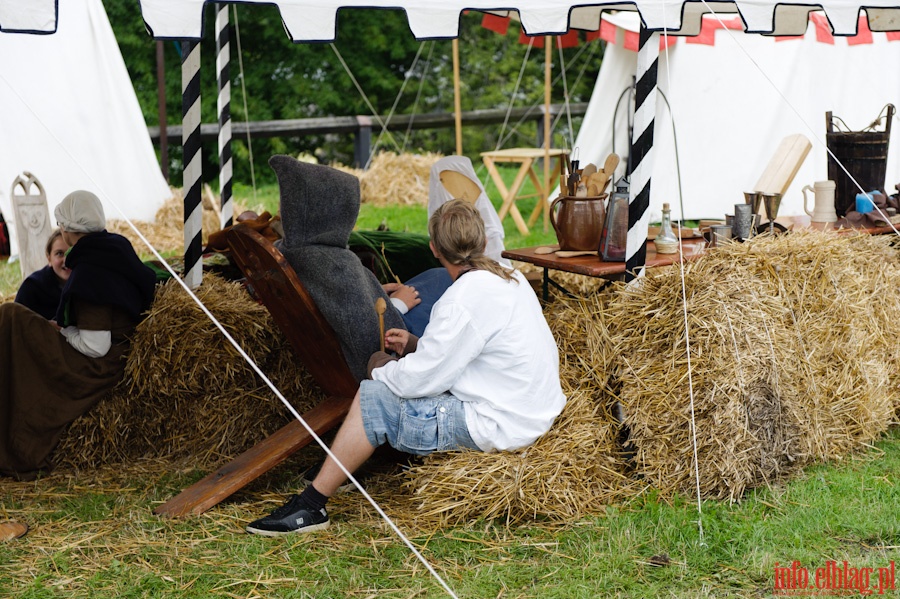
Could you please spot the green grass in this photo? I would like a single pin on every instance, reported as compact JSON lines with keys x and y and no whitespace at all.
{"x":93,"y":535}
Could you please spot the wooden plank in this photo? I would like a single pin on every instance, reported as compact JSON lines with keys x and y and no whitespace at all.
{"x":256,"y":461}
{"x":784,"y":164}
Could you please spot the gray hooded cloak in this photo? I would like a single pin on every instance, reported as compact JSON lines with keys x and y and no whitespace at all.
{"x":319,"y":208}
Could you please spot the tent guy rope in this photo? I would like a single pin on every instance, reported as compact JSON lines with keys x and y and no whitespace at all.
{"x":253,"y":365}
{"x":687,"y":348}
{"x":237,"y":34}
{"x":363,"y":95}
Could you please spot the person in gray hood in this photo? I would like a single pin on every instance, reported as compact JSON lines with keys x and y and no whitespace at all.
{"x":319,"y":208}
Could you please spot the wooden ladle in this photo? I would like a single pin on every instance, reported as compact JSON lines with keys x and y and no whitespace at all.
{"x":380,"y":307}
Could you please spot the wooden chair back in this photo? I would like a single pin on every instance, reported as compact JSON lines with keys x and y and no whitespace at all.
{"x":33,"y":227}
{"x":276,"y":284}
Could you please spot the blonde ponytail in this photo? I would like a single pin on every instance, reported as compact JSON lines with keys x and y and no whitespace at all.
{"x":457,"y":232}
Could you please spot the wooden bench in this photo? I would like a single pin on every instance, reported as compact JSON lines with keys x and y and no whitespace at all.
{"x":318,"y":349}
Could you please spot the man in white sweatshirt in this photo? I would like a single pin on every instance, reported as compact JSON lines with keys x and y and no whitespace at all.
{"x":484,"y":375}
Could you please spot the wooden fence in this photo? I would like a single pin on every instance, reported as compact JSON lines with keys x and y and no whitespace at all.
{"x":361,"y":126}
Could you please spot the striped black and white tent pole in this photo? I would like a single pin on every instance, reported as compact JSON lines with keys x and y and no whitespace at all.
{"x":223,"y":58}
{"x":642,"y":154}
{"x":193,"y":169}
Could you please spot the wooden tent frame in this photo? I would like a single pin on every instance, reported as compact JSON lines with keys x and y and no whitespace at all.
{"x":318,"y":349}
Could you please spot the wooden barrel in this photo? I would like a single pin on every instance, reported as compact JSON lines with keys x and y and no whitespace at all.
{"x":864,"y":156}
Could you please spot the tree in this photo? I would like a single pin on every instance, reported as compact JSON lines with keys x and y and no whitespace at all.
{"x":284,"y":80}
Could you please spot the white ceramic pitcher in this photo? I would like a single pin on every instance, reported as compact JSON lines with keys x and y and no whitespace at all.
{"x":823,"y":194}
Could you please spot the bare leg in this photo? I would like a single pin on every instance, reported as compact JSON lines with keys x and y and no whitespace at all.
{"x":351,"y":447}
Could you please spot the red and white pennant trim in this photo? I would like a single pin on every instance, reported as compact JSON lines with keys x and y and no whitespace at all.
{"x":613,"y":34}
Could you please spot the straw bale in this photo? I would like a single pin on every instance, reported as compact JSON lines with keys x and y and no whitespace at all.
{"x":782,"y":368}
{"x":166,"y":232}
{"x":573,"y":470}
{"x":187,"y":392}
{"x":393,"y":179}
{"x":841,"y":293}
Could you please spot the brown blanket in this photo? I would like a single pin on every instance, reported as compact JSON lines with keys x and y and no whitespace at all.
{"x":45,"y":383}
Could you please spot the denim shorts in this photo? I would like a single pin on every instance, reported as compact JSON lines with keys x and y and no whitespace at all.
{"x":418,"y":426}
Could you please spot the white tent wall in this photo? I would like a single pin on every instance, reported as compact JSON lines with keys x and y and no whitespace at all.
{"x":70,"y":116}
{"x":729,"y":119}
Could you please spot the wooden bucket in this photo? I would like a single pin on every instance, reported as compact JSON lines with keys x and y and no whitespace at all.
{"x":862,"y":153}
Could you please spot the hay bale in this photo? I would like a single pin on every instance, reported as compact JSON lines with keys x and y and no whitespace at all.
{"x":840,"y":292}
{"x":791,"y":355}
{"x":574,"y":470}
{"x":186,"y":391}
{"x":781,"y":372}
{"x":571,"y":471}
{"x":731,"y":370}
{"x":166,"y":232}
{"x":396,"y":179}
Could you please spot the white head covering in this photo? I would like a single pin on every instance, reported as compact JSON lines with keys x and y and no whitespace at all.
{"x":438,"y":196}
{"x":81,"y":212}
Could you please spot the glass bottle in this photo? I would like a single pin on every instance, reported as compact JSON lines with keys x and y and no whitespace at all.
{"x":666,"y":242}
{"x":615,"y":229}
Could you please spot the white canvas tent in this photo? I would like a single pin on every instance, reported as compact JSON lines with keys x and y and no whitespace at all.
{"x":732,"y":99}
{"x":751,"y":117}
{"x":70,"y":116}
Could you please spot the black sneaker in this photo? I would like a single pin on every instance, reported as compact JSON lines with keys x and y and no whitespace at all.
{"x":291,"y":517}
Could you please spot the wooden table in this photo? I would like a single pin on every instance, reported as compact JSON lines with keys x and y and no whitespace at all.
{"x":841,"y":226}
{"x":526,"y":158}
{"x":591,"y":266}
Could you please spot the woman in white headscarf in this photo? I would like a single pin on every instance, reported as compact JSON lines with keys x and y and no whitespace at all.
{"x":462,"y":183}
{"x":53,"y":372}
{"x":438,"y":195}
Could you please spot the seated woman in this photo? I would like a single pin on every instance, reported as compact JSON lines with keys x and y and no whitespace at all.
{"x":42,"y":289}
{"x":319,"y":206}
{"x":53,"y":373}
{"x":453,"y":177}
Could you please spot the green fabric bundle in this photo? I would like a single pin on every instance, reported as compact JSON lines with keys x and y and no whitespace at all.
{"x":393,"y":253}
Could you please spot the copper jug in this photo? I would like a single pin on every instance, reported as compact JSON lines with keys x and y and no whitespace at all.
{"x":578,"y":221}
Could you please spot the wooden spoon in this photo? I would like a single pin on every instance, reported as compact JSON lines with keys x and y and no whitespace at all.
{"x":609,"y":166}
{"x":600,"y":181}
{"x":380,"y":307}
{"x":588,"y":171}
